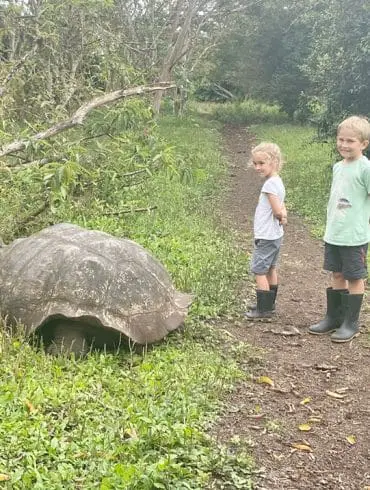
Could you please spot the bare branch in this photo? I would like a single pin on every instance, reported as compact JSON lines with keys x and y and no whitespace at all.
{"x":78,"y":117}
{"x":223,"y":91}
{"x":202,"y":55}
{"x":35,"y":163}
{"x":127,"y":211}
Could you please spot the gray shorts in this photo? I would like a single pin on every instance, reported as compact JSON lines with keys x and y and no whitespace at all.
{"x":350,"y":261}
{"x":265,"y":255}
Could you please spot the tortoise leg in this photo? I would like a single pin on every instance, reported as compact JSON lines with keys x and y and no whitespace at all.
{"x":68,"y":338}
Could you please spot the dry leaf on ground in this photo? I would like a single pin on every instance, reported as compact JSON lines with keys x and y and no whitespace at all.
{"x":351,"y":440}
{"x":302,"y":447}
{"x":30,"y":406}
{"x":265,"y":380}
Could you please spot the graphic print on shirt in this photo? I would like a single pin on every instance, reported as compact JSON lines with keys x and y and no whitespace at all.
{"x":341,"y":202}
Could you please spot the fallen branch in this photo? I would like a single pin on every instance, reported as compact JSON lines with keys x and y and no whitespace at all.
{"x":292,"y":331}
{"x":40,"y":210}
{"x":35,"y":163}
{"x":127,"y":211}
{"x":78,"y":117}
{"x":223,"y":91}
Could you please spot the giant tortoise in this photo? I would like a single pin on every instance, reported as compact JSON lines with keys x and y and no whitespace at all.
{"x":76,"y":288}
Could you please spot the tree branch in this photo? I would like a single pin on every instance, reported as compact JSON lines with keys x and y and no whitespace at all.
{"x":78,"y":117}
{"x":127,"y":211}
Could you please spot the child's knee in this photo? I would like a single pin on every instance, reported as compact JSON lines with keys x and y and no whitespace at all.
{"x":338,"y":275}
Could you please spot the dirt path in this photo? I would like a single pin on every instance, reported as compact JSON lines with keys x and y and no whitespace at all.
{"x":316,"y":382}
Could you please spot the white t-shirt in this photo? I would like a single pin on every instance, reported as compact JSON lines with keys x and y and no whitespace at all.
{"x":266,"y":226}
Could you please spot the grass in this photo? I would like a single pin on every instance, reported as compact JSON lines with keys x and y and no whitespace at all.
{"x":248,"y":111}
{"x":123,"y":420}
{"x":112,"y":421}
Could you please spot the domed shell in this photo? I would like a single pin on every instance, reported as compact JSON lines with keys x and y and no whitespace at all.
{"x":68,"y":271}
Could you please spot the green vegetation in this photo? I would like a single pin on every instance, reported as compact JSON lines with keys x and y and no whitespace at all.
{"x":112,"y":421}
{"x":101,"y":161}
{"x":128,"y":420}
{"x":249,"y":112}
{"x":311,"y":58}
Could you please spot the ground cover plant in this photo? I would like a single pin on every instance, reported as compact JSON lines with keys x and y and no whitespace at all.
{"x":249,"y":111}
{"x":132,"y":420}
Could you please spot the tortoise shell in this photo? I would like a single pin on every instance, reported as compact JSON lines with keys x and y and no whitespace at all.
{"x":66,"y":271}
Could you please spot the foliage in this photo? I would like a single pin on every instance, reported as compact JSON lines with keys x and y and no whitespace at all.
{"x":69,"y":168}
{"x":338,"y":64}
{"x":129,"y":419}
{"x":310,"y":109}
{"x":260,"y":54}
{"x":213,"y":92}
{"x":114,"y":420}
{"x":249,"y":112}
{"x":58,"y":53}
{"x":293,"y":53}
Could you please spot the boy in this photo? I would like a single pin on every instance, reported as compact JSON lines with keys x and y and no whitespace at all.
{"x":347,"y":232}
{"x":269,"y":217}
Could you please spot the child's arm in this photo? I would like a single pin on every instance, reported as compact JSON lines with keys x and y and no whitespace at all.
{"x":284,"y":218}
{"x":278,"y":208}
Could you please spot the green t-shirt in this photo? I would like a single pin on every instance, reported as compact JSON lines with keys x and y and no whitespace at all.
{"x":348,"y":210}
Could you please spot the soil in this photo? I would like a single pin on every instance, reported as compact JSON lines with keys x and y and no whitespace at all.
{"x":303,"y":380}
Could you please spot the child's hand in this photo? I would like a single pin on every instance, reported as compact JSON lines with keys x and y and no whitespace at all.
{"x":283,"y":220}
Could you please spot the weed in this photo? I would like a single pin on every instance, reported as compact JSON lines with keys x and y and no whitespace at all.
{"x":273,"y":426}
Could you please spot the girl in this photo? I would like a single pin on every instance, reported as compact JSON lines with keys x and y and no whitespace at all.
{"x":269,"y":217}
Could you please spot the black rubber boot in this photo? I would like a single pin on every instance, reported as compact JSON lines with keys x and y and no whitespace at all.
{"x":334,"y":312}
{"x":273,"y":288}
{"x":265,"y":301}
{"x":349,"y":328}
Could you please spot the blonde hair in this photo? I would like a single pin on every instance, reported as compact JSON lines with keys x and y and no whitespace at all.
{"x":272,"y":151}
{"x":359,"y":125}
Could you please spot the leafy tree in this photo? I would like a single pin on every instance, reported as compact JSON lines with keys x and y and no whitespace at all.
{"x":311,"y":53}
{"x":338,"y":65}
